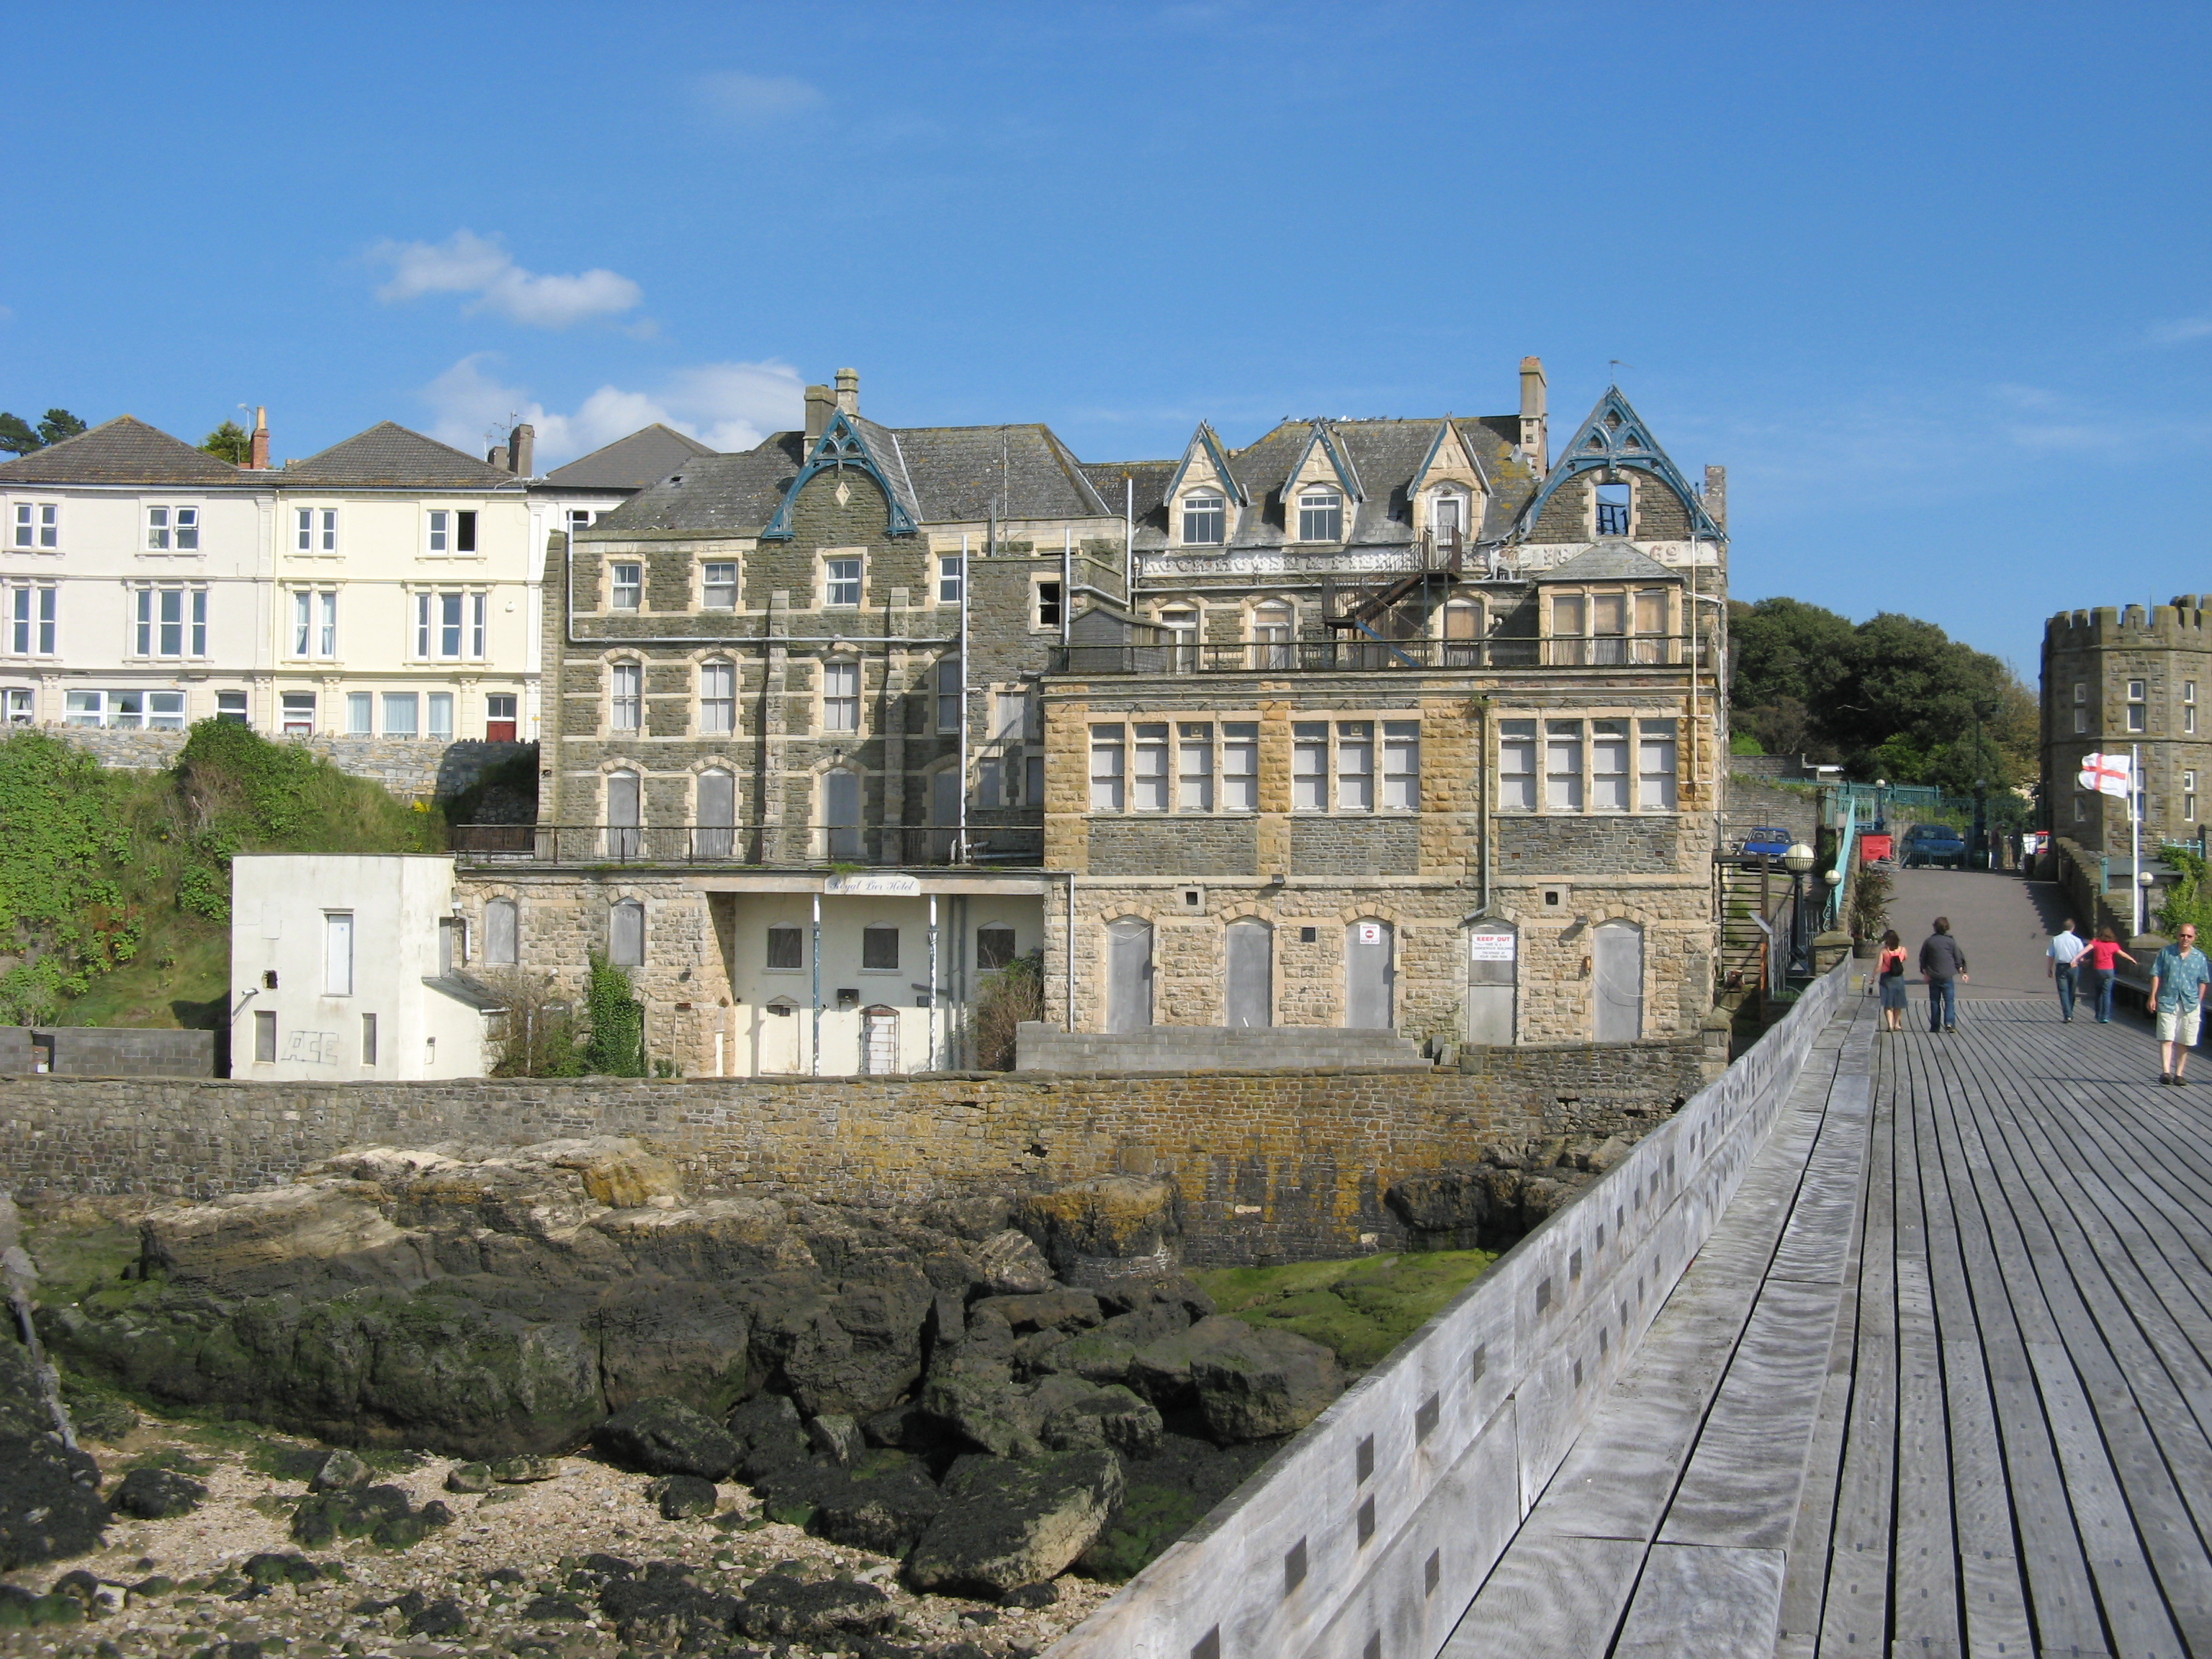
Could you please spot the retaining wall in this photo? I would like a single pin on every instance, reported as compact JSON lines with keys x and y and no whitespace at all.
{"x":1272,"y":1166}
{"x":405,"y":766}
{"x":1371,"y":1533}
{"x":111,"y":1051}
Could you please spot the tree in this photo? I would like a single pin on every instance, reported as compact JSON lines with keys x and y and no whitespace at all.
{"x":230,"y":442}
{"x":17,"y":436}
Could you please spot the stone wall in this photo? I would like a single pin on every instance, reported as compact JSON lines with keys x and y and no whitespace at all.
{"x":106,"y":1051}
{"x":1271,"y":1166}
{"x":419,"y":766}
{"x":1755,"y":803}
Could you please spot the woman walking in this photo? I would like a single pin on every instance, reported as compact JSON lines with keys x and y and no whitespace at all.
{"x":2098,"y":972}
{"x":1889,"y":974}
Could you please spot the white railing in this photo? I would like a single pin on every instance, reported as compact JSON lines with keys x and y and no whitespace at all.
{"x":1382,"y":1518}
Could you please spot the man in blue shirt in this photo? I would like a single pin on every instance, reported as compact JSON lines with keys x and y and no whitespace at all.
{"x":2065,"y":947}
{"x":2176,"y":992}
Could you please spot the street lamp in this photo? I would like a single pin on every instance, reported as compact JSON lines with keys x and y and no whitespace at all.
{"x":2143,"y":898}
{"x":1797,"y":860}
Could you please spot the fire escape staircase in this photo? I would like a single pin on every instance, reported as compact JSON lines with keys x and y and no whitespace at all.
{"x":1437,"y":557}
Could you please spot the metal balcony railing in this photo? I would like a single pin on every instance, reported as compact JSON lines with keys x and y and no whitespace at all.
{"x":776,"y":845}
{"x":1360,"y":653}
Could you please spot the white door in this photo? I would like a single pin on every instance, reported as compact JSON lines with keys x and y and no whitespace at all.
{"x":1370,"y":973}
{"x":1250,"y":952}
{"x":1617,"y":976}
{"x":1492,"y":967}
{"x":1128,"y":975}
{"x":879,"y":1041}
{"x":777,"y":1033}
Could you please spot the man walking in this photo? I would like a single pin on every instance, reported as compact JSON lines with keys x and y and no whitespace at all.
{"x":2176,"y":992}
{"x":1943,"y":964}
{"x":2066,"y":946}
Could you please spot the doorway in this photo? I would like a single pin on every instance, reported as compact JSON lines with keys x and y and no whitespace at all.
{"x":777,"y":1035}
{"x":1128,"y":975}
{"x":1617,"y":977}
{"x":879,"y":1054}
{"x":1370,"y":973}
{"x":1250,"y":952}
{"x":1492,"y":970}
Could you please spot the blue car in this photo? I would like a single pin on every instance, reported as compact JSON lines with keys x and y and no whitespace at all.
{"x":1933,"y":844}
{"x":1772,"y":841}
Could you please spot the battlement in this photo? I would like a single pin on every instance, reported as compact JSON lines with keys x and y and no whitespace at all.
{"x":2183,"y":621}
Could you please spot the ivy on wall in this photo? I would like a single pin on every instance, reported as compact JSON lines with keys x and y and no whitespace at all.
{"x":63,"y":915}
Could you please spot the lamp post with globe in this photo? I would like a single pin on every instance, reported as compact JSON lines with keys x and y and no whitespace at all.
{"x":1798,"y":861}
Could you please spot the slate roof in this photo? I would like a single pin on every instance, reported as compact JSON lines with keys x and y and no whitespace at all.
{"x":646,"y":457}
{"x":1608,"y":561}
{"x":1147,"y":499}
{"x":123,"y":450}
{"x":389,"y":454}
{"x":941,"y":474}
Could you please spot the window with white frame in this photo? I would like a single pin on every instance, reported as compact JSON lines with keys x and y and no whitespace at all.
{"x":38,"y":525}
{"x":314,"y":622}
{"x":1310,"y":766}
{"x":452,"y":530}
{"x":1609,"y":789}
{"x":21,"y":708}
{"x":2081,"y":690}
{"x":718,"y":696}
{"x":840,"y":696}
{"x":1193,"y":766}
{"x":950,"y":694}
{"x":449,"y":625}
{"x":1401,"y":766}
{"x":172,"y":622}
{"x":360,"y":713}
{"x":337,"y":953}
{"x":296,"y":713}
{"x":1108,"y":756}
{"x":2138,"y":709}
{"x":1355,"y":766}
{"x":2188,"y":708}
{"x":172,"y":529}
{"x":1240,"y":766}
{"x":1049,"y":606}
{"x":31,"y":619}
{"x":230,"y":708}
{"x":1274,"y":626}
{"x":2080,"y":721}
{"x":718,"y":585}
{"x":1656,"y":763}
{"x":1563,"y":766}
{"x":438,"y":706}
{"x":1321,"y":515}
{"x":401,"y":711}
{"x":2189,"y":797}
{"x":625,"y":585}
{"x":1148,"y":771}
{"x":840,"y":580}
{"x":1516,"y":766}
{"x":315,"y":529}
{"x":126,"y":711}
{"x":626,"y":708}
{"x":952,"y":576}
{"x":1205,"y":519}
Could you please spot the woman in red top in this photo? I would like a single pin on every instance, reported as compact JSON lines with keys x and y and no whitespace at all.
{"x":1889,"y":975}
{"x":2096,"y":962}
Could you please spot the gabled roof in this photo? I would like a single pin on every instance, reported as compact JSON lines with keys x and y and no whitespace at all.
{"x":1340,"y":460}
{"x":1448,"y":428}
{"x":123,"y":450}
{"x":646,"y":457}
{"x":1205,"y":439}
{"x":1613,"y":437}
{"x":1609,"y":561}
{"x":389,"y":454}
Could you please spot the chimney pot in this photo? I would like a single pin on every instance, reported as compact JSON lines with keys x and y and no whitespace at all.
{"x":522,"y":445}
{"x":1536,"y":436}
{"x":848,"y":390}
{"x":257,"y":448}
{"x":820,"y":400}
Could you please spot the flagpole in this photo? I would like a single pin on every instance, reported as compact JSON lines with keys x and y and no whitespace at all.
{"x":2135,"y":828}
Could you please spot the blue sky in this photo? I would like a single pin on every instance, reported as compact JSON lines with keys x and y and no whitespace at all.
{"x":1931,"y":281}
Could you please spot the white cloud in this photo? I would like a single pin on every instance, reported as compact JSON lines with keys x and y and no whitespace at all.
{"x":2181,"y":331}
{"x":729,"y":406}
{"x":754,"y":103}
{"x":468,"y":264}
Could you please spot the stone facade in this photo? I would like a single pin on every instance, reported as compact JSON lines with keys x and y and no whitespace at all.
{"x":2113,"y":678}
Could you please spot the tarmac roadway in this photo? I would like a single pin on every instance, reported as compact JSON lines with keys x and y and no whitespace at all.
{"x":2002,"y":922}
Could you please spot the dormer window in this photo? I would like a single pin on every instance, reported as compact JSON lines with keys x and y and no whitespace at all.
{"x":1321,"y":515}
{"x":1613,"y":504}
{"x":1205,"y":519}
{"x":1448,"y":520}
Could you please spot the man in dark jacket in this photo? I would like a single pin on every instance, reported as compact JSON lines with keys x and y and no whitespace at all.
{"x":1944,"y":965}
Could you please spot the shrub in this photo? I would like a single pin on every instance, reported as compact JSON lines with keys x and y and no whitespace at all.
{"x":614,"y":1043}
{"x":1003,"y":1001}
{"x":538,"y":1035}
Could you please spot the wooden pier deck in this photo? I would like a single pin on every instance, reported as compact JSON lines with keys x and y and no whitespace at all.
{"x":1941,"y":1382}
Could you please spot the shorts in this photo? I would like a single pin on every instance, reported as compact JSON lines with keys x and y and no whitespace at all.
{"x":2179,"y":1026}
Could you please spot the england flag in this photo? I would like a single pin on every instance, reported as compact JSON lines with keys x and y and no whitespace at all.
{"x":2108,"y":775}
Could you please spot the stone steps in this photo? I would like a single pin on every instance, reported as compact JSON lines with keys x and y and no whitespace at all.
{"x":1214,"y":1048}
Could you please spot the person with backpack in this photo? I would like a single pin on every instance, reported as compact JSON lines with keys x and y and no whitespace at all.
{"x":1889,"y":974}
{"x":1943,"y":964}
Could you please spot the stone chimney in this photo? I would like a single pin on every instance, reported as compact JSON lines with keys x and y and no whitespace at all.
{"x":1716,"y":494}
{"x":848,"y":390}
{"x":1536,"y":436}
{"x":521,"y":444}
{"x":497,"y":456}
{"x":819,"y":404}
{"x":256,"y":449}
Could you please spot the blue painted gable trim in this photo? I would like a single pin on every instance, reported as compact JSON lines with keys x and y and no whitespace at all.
{"x":1204,"y":436}
{"x":1428,"y":460}
{"x":839,"y":446}
{"x":1627,"y":446}
{"x":1347,"y":476}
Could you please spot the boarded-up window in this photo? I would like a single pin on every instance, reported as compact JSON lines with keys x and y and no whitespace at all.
{"x":879,"y":946}
{"x":501,"y":920}
{"x":626,"y":934}
{"x":994,"y":948}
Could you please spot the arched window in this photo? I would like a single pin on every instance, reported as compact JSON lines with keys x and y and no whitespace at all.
{"x":1205,"y":519}
{"x":1274,"y":629}
{"x":1128,"y":973}
{"x":718,"y":814}
{"x":841,"y":813}
{"x":626,"y":934}
{"x":1613,"y":509}
{"x":718,"y":697}
{"x":1321,"y":515}
{"x":624,"y":840}
{"x":1248,"y":960}
{"x":500,"y":930}
{"x":1181,"y":624}
{"x":626,"y":707}
{"x":1448,"y":520}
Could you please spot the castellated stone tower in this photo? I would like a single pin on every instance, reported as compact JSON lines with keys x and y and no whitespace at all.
{"x":2114,"y":677}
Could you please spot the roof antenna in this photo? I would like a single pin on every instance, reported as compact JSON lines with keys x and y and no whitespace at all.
{"x":1616,"y":366}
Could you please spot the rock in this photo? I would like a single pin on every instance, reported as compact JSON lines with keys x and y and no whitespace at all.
{"x":780,"y":1606}
{"x":1043,"y":1594}
{"x":442,"y":1617}
{"x":1108,"y":1230}
{"x":524,"y":1470}
{"x":545,"y":1609}
{"x":270,"y":1567}
{"x":1446,"y":1209}
{"x":279,"y":1238}
{"x":665,"y":1608}
{"x":666,"y":1437}
{"x":1045,"y":1310}
{"x":769,"y":1437}
{"x":1009,"y":1522}
{"x":627,"y":1177}
{"x":835,"y":1436}
{"x":905,"y":1427}
{"x":1161,"y":1369}
{"x":883,"y":1502}
{"x":50,"y":1503}
{"x":1111,"y":1416}
{"x":1013,"y":1265}
{"x":383,"y":1515}
{"x":24,"y":1409}
{"x":468,"y":1477}
{"x":339,"y":1472}
{"x":676,"y":1338}
{"x":1266,"y":1383}
{"x":682,"y":1496}
{"x":1607,"y":1153}
{"x":157,"y":1494}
